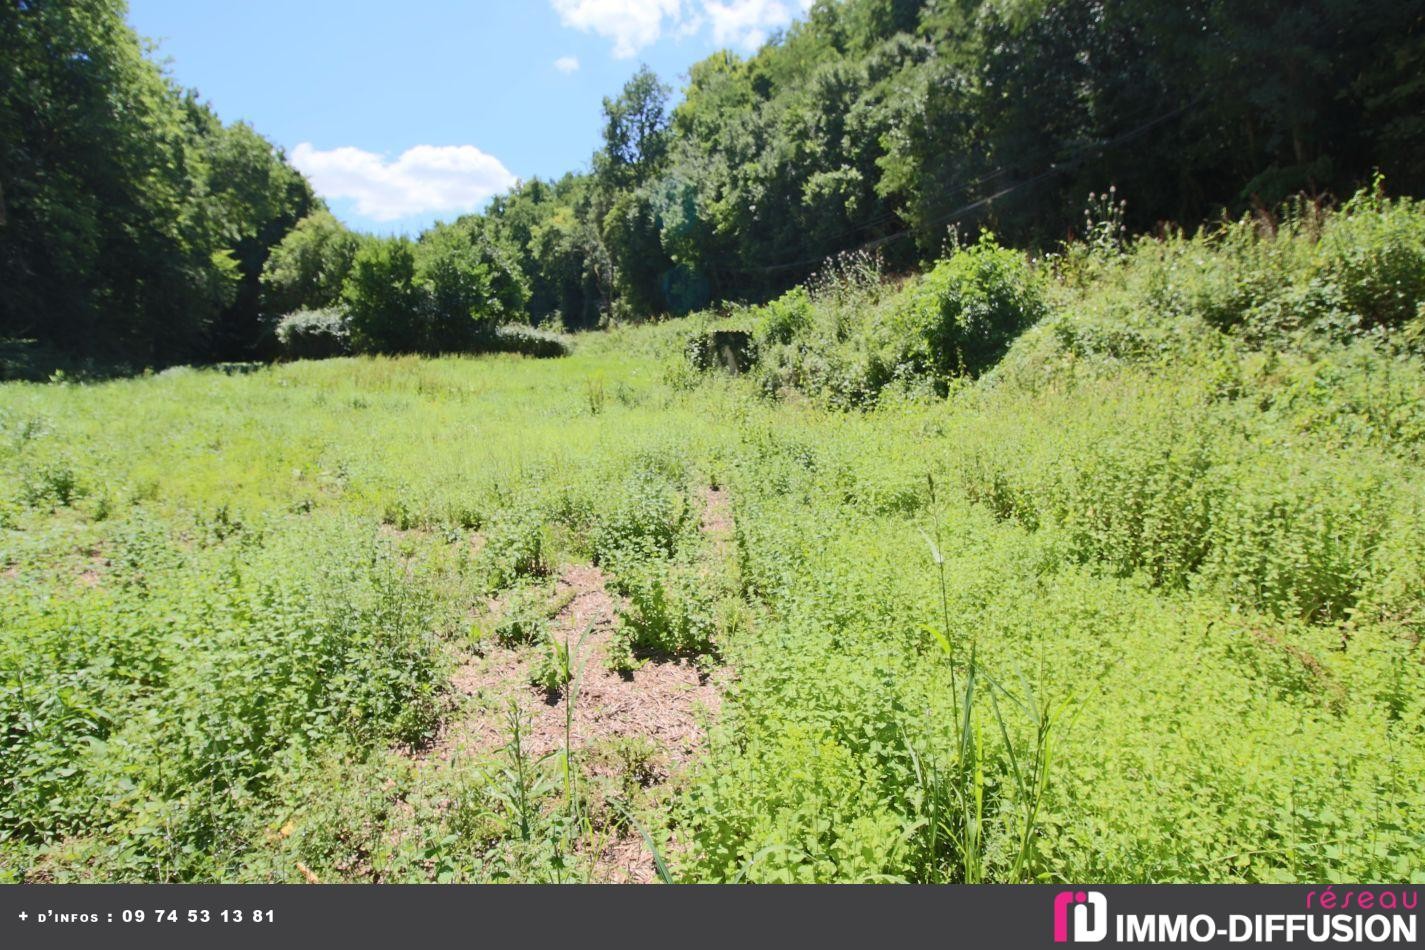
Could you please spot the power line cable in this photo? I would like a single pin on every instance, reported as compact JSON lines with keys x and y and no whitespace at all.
{"x":1055,"y":168}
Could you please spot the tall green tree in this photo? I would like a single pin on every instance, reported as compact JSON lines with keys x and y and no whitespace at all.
{"x":381,"y":297}
{"x":132,"y":223}
{"x":635,"y":132}
{"x":307,"y":268}
{"x":471,"y":283}
{"x":256,"y":199}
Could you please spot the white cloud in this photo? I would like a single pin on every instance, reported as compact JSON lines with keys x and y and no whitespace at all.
{"x":748,"y":23}
{"x":424,"y":179}
{"x":631,"y":24}
{"x":567,"y":64}
{"x":634,"y":24}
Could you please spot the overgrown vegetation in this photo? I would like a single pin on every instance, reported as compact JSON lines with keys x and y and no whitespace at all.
{"x":1106,"y":566}
{"x":137,"y":231}
{"x":1082,"y":546}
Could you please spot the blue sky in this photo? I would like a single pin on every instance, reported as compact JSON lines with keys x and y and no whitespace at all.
{"x":406,"y":113}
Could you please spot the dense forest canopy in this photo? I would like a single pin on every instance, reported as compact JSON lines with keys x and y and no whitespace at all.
{"x":134,"y":223}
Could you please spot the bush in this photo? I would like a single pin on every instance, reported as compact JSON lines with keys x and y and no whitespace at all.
{"x":1291,"y":280}
{"x":517,"y":547}
{"x":961,"y":318}
{"x":526,"y":340}
{"x":525,"y":619}
{"x":670,"y":615}
{"x":306,"y":270}
{"x":646,"y":523}
{"x":1374,"y":254}
{"x":136,"y":713}
{"x":469,"y":285}
{"x":856,"y":336}
{"x":383,"y":303}
{"x":314,"y":335}
{"x":451,"y":293}
{"x":787,"y":317}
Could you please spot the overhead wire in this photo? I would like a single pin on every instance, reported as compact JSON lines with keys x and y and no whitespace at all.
{"x":1055,"y":168}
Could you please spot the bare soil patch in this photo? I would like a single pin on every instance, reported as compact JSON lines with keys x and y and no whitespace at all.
{"x":643,"y":727}
{"x":662,"y":706}
{"x":717,"y":517}
{"x":665,"y":701}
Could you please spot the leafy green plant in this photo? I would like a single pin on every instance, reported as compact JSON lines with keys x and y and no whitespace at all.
{"x":962,"y":316}
{"x":648,"y":517}
{"x":554,"y":670}
{"x":1373,"y":252}
{"x":668,"y":615}
{"x":525,"y":617}
{"x":313,"y":334}
{"x":516,"y":547}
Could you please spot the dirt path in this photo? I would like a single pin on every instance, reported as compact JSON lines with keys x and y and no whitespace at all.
{"x":642,"y":727}
{"x":662,"y":701}
{"x":658,"y":711}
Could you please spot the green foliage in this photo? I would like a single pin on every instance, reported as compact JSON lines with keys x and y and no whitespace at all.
{"x":856,"y":338}
{"x":1288,"y":282}
{"x":672,"y":614}
{"x":471,"y":286}
{"x":635,"y":130}
{"x":516,"y":546}
{"x":450,"y":292}
{"x":869,"y":123}
{"x":879,"y":124}
{"x":135,"y":225}
{"x":528,"y":341}
{"x":524,"y":619}
{"x":1168,"y":626}
{"x":553,"y":671}
{"x":787,"y":318}
{"x":306,"y":270}
{"x":313,"y":334}
{"x":156,"y":710}
{"x":646,"y":521}
{"x":1373,"y":252}
{"x":382,"y":301}
{"x":967,"y":310}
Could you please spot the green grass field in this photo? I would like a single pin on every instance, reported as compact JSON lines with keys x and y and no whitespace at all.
{"x":1143,"y":603}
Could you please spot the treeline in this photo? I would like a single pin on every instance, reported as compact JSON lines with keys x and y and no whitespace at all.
{"x":134,"y":222}
{"x":340,"y":292}
{"x":884,"y":122}
{"x":136,"y":229}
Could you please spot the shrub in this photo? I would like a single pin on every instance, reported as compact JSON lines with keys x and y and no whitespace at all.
{"x":1288,"y":280}
{"x":451,"y":293}
{"x":787,"y":317}
{"x":54,"y":483}
{"x":469,"y":285}
{"x":306,"y":270}
{"x":526,"y":340}
{"x":668,"y":615}
{"x":314,"y":334}
{"x":1373,"y":251}
{"x":525,"y":619}
{"x":383,"y":303}
{"x":135,"y":712}
{"x":517,"y":547}
{"x":963,"y":315}
{"x":645,"y":523}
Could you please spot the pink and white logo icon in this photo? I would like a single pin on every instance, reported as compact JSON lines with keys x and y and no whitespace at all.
{"x":1090,"y":916}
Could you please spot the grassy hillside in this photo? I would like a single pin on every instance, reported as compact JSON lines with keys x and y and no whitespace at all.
{"x":1106,"y":567}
